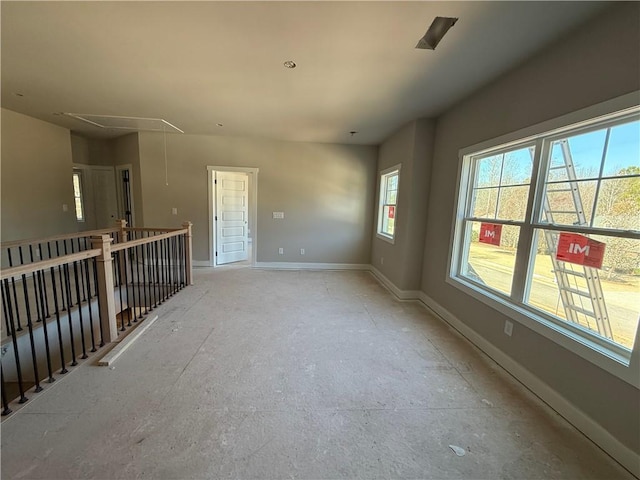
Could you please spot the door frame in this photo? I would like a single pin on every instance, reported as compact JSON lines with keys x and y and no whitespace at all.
{"x":253,"y":208}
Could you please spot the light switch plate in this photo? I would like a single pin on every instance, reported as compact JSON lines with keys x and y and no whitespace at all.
{"x":278,"y":215}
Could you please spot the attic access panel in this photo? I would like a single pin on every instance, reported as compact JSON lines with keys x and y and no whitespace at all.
{"x":127,"y":123}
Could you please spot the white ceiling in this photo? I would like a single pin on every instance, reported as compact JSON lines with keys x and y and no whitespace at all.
{"x":197,"y":64}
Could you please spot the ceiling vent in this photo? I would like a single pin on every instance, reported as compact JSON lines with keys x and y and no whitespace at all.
{"x":127,"y":123}
{"x":439,"y":27}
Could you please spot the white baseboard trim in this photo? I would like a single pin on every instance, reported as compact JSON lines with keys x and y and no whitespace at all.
{"x":311,"y":266}
{"x":389,"y":285}
{"x":576,"y":417}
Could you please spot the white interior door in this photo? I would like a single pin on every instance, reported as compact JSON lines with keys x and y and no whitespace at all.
{"x":232,"y":213}
{"x":103,"y":184}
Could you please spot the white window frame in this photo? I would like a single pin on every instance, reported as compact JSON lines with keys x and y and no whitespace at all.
{"x":606,"y":354}
{"x":78,"y":173}
{"x":382,"y":195}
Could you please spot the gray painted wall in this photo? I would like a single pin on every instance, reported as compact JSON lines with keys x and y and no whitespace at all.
{"x":92,"y":151}
{"x":326,"y":192}
{"x":412,"y":147}
{"x":36,"y":178}
{"x":598,"y":62}
{"x":80,"y":150}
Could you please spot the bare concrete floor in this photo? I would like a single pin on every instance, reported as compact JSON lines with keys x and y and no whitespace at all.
{"x":275,"y":374}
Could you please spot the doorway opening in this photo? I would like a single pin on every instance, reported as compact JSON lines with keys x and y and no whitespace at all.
{"x":232,"y":215}
{"x":125,"y":196}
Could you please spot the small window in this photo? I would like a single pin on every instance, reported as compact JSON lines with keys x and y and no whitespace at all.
{"x":77,"y":195}
{"x":389,"y":180}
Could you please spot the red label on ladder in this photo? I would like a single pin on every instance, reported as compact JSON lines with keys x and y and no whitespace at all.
{"x":490,"y":233}
{"x":581,"y":250}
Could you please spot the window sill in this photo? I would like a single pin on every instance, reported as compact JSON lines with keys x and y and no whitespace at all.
{"x":624,"y":367}
{"x":386,"y":238}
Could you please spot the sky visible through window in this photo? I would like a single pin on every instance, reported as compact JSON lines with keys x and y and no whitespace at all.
{"x":622,"y":151}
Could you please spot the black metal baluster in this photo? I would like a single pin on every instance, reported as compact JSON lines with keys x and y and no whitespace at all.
{"x":160,"y":272}
{"x":148,"y":284}
{"x":127,"y":260}
{"x":45,"y":330}
{"x":163,"y":271}
{"x":95,"y":279}
{"x":131,"y":311}
{"x":152,"y":275}
{"x":13,"y":286}
{"x":14,"y":340}
{"x":46,"y":313}
{"x":57,"y":313}
{"x":80,"y":317}
{"x":4,"y":309}
{"x":93,"y":339}
{"x":157,"y":275}
{"x":34,"y":358}
{"x":185,"y":260}
{"x":5,"y":404}
{"x":67,"y":288}
{"x":171,"y":257}
{"x":181,"y":260}
{"x":167,"y":255}
{"x":73,"y":250}
{"x":84,"y":287}
{"x":139,"y":305}
{"x":52,"y":271}
{"x":176,"y":263}
{"x":64,"y":305}
{"x":35,"y":276}
{"x":144,"y":278}
{"x":118,"y":275}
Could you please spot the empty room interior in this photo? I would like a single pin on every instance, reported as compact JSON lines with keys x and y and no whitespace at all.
{"x":320,"y":240}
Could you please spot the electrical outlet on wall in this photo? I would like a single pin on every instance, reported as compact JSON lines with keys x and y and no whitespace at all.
{"x":174,"y":211}
{"x":302,"y":251}
{"x":508,"y":328}
{"x":281,"y":251}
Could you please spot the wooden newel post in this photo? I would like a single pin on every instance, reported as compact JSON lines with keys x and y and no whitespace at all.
{"x":188,"y":253}
{"x":104,"y":264}
{"x":122,"y":234}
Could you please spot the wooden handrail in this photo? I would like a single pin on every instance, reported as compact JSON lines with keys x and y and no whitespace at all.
{"x":141,"y":241}
{"x":52,"y":262}
{"x":66,"y":236}
{"x":148,"y":229}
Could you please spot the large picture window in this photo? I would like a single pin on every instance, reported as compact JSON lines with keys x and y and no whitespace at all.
{"x":389,"y":180}
{"x":549,"y":227}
